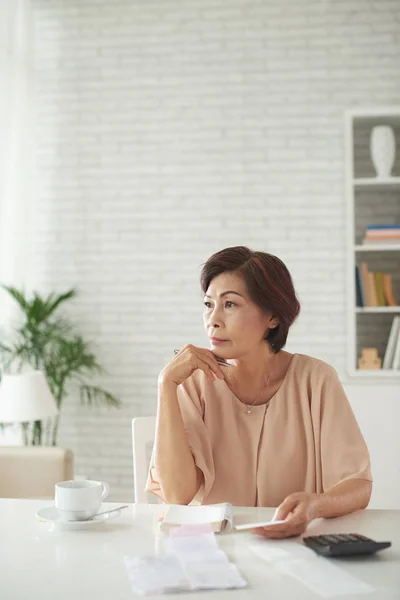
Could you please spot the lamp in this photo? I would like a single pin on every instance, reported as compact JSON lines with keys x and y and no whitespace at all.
{"x":26,"y":397}
{"x":30,"y":471}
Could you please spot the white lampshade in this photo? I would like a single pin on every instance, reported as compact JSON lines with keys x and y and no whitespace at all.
{"x":26,"y":397}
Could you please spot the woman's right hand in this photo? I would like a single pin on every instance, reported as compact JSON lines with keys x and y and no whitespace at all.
{"x":188,"y":360}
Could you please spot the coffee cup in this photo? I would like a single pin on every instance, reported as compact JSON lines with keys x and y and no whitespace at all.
{"x":80,"y":500}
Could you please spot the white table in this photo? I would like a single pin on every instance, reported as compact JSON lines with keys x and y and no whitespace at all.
{"x":38,"y":561}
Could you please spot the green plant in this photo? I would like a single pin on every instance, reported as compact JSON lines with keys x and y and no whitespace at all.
{"x":47,"y":342}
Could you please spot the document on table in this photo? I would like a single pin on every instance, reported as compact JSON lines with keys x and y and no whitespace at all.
{"x":192,"y":561}
{"x":218,"y":516}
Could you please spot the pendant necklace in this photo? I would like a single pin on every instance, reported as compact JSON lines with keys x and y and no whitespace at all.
{"x":249,"y":407}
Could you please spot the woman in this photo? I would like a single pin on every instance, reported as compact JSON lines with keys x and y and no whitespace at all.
{"x":270,"y":429}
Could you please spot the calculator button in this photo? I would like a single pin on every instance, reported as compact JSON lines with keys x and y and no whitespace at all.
{"x":361,"y":537}
{"x":319,"y":542}
{"x":313,"y":541}
{"x":353,"y":538}
{"x":323,"y":540}
{"x":330,"y":539}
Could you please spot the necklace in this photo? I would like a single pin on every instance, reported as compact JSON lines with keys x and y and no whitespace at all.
{"x":249,"y":407}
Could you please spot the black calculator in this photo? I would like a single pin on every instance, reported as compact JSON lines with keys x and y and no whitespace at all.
{"x":343,"y":544}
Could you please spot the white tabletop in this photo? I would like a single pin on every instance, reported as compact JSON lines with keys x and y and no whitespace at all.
{"x":40,"y":561}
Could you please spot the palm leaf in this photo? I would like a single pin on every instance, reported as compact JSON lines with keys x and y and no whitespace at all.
{"x":76,"y":356}
{"x":12,"y":354}
{"x":70,"y":359}
{"x":36,"y":310}
{"x":40,"y":309}
{"x":5,"y":349}
{"x":17,"y":295}
{"x":59,"y":327}
{"x":52,"y":302}
{"x":91,"y":394}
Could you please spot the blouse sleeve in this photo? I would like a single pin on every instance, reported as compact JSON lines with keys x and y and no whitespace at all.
{"x":343,"y":451}
{"x":192,"y":410}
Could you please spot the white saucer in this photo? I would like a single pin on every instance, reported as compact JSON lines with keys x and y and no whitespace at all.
{"x":50,"y":514}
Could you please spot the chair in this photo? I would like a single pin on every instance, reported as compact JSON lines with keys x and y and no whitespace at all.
{"x":33,"y":471}
{"x":143,"y":434}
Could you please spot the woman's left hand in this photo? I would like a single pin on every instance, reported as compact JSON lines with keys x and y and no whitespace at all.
{"x":298,"y":510}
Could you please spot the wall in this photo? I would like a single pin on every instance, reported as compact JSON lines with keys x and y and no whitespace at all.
{"x":168,"y":130}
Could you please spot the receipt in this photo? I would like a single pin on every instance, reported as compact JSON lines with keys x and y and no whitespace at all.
{"x":319,"y":574}
{"x":192,"y":561}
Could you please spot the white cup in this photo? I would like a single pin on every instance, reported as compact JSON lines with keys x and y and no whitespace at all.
{"x":79,"y":500}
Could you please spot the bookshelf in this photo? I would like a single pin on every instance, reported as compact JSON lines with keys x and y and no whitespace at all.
{"x":383,"y":248}
{"x":371,"y":200}
{"x":391,"y":183}
{"x":377,"y":309}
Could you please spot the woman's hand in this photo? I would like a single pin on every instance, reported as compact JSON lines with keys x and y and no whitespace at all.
{"x":188,"y":360}
{"x":298,"y":510}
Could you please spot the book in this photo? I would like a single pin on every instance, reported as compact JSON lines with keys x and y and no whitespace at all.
{"x":218,"y":516}
{"x":384,"y":226}
{"x":366,"y":284}
{"x":391,"y":345}
{"x":396,"y":356}
{"x":384,"y":234}
{"x":388,"y":290}
{"x":359,"y":288}
{"x":372,"y":289}
{"x":379,"y":288}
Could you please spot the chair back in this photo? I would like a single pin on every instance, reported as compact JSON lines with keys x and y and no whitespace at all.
{"x":33,"y":471}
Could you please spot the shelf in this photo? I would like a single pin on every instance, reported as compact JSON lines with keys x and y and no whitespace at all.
{"x":377,"y":309}
{"x":388,"y":183}
{"x":377,"y":248}
{"x":375,"y":373}
{"x":369,"y":199}
{"x":379,"y":115}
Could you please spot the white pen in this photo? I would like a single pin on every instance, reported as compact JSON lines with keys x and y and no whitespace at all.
{"x":220,"y":361}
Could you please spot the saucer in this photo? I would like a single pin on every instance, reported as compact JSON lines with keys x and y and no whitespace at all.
{"x":50,"y":514}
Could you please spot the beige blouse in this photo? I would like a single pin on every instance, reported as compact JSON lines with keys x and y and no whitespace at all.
{"x":307,"y":439}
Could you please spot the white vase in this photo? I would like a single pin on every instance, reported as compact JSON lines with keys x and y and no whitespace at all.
{"x":383,"y":149}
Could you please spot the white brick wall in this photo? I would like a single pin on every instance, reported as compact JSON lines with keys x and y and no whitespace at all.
{"x":168,"y":130}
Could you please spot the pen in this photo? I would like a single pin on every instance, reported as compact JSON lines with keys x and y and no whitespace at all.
{"x":220,"y":361}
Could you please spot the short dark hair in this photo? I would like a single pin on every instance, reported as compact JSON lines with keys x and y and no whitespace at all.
{"x":268,"y":281}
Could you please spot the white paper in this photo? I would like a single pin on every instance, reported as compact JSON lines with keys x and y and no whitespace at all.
{"x":192,"y":546}
{"x":156,"y":575}
{"x":190,"y":515}
{"x":214,"y":576}
{"x":319,"y":574}
{"x":193,"y":561}
{"x":177,"y":514}
{"x":241,"y":526}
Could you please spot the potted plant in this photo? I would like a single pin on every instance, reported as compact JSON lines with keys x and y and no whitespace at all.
{"x":47,"y":341}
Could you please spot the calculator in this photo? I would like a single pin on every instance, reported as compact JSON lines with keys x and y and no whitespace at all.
{"x":343,"y":544}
